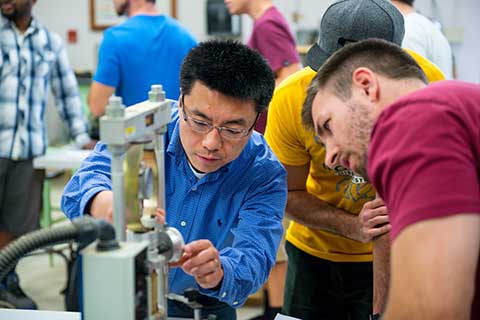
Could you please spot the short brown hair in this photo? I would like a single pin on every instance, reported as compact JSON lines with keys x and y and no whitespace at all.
{"x":382,"y":57}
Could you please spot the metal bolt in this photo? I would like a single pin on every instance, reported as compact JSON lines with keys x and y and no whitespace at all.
{"x":156,"y":93}
{"x":115,"y":107}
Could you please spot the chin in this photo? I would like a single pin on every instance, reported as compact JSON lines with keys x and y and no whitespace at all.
{"x":204,"y":168}
{"x":209,"y":169}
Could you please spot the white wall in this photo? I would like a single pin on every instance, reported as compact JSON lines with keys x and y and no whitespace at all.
{"x":63,"y":15}
{"x":459,"y":18}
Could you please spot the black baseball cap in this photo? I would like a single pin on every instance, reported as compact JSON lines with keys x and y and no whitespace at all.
{"x":348,"y":21}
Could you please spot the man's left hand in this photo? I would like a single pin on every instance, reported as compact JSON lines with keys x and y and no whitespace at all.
{"x":202,"y":261}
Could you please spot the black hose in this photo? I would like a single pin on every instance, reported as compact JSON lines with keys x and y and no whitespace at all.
{"x":82,"y":230}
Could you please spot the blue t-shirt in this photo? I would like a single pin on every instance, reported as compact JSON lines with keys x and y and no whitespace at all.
{"x":142,"y":51}
{"x":239,"y":208}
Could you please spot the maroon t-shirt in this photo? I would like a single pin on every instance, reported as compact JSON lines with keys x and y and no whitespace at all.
{"x":424,"y":156}
{"x":273,"y":39}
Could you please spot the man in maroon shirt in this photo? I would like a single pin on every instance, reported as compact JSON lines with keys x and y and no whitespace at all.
{"x":423,"y":147}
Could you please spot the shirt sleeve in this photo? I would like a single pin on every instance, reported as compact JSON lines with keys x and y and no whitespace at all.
{"x":108,"y":68}
{"x":247,"y":263}
{"x":67,"y":96}
{"x":426,"y":170}
{"x":275,"y":44}
{"x":90,"y":179}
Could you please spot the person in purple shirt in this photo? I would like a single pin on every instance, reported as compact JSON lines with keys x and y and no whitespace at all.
{"x":225,"y":189}
{"x":272,"y":37}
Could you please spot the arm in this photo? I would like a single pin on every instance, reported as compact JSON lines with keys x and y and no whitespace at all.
{"x":247,"y":262}
{"x":276,"y":44}
{"x":381,"y":272}
{"x":98,"y":98}
{"x":107,"y":76}
{"x":309,"y":210}
{"x":434,"y":265}
{"x":67,"y":97}
{"x":284,"y":72}
{"x":315,"y":213}
{"x":91,"y":179}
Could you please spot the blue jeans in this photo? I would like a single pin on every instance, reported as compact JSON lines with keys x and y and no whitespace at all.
{"x":211,"y":306}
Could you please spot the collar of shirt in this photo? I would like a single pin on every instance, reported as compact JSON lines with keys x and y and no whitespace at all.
{"x":32,"y":28}
{"x":197,"y":174}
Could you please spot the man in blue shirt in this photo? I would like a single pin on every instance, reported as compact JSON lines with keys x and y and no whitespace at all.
{"x":146,"y":49}
{"x":225,"y":189}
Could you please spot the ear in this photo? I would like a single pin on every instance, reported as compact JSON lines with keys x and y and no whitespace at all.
{"x":366,"y":81}
{"x":179,"y":101}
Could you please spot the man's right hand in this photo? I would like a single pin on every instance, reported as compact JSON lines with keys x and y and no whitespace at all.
{"x":372,"y":221}
{"x":102,"y":206}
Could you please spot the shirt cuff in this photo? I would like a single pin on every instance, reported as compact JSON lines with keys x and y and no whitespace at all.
{"x":227,"y":292}
{"x":82,"y":139}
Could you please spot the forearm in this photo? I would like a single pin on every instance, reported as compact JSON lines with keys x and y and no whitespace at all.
{"x":308,"y":210}
{"x":67,"y":96}
{"x":97,"y":105}
{"x":381,"y":271}
{"x":98,"y":98}
{"x":69,"y":106}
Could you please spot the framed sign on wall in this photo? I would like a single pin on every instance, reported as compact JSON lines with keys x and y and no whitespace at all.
{"x":103,"y":14}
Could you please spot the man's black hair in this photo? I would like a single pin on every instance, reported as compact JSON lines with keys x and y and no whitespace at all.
{"x":230,"y":68}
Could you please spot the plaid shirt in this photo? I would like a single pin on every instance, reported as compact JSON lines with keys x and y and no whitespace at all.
{"x":29,"y":64}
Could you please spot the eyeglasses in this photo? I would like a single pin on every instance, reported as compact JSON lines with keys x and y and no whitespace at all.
{"x":204,"y":127}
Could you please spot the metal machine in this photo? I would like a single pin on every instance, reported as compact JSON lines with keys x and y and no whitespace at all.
{"x":131,"y":282}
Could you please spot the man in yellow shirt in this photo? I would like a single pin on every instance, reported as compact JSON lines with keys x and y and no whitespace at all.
{"x":335,"y":215}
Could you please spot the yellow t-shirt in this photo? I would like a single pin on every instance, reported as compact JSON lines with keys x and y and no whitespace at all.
{"x":295,"y":146}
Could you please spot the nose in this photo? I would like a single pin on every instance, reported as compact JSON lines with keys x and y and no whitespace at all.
{"x":331,"y":154}
{"x":212,"y":141}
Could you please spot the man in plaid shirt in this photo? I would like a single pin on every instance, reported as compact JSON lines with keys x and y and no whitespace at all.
{"x":32,"y":60}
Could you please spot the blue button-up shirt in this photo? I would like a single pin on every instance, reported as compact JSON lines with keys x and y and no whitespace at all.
{"x":239,"y":208}
{"x":31,"y":63}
